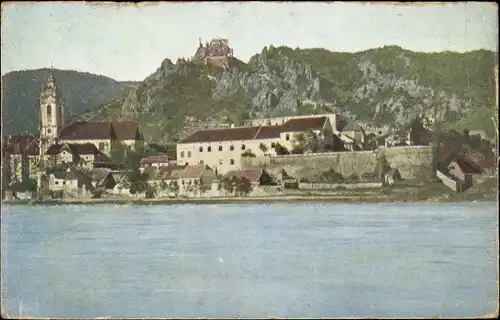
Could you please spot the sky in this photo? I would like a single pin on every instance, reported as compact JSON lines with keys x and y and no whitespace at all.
{"x":129,"y":42}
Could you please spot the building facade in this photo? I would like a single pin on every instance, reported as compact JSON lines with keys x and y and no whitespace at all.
{"x":222,"y":149}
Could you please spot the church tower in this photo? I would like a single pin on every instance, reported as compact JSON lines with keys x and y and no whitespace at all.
{"x":51,"y":113}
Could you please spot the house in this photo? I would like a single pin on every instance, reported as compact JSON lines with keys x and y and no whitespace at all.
{"x":103,"y":161}
{"x":464,"y":170}
{"x":20,"y":158}
{"x":350,"y":132}
{"x":194,"y":180}
{"x":257,"y":177}
{"x":154,"y":161}
{"x":221,"y":149}
{"x":82,"y":155}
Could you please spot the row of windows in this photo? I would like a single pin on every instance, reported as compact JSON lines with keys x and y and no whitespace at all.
{"x":231,"y":148}
{"x":231,"y":161}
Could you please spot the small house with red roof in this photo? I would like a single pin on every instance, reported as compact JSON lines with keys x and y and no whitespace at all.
{"x":154,"y":161}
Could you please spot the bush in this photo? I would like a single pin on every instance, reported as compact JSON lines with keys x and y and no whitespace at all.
{"x":280,"y":150}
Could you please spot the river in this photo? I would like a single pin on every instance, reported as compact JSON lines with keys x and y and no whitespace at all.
{"x":250,"y":260}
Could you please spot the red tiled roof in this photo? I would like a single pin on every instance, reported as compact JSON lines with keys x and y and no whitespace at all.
{"x":154,"y":159}
{"x":468,"y":166}
{"x":261,"y":132}
{"x":127,"y":130}
{"x":304,"y":124}
{"x":251,"y":174}
{"x":82,"y":130}
{"x":86,"y":131}
{"x":229,"y":134}
{"x":20,"y":144}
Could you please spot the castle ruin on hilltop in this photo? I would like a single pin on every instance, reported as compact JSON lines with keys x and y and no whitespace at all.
{"x":216,"y":53}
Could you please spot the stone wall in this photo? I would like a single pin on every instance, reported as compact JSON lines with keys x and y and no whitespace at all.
{"x":414,"y":162}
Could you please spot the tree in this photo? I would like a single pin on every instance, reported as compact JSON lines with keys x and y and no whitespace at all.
{"x":248,"y":154}
{"x":243,"y":186}
{"x":263,"y":147}
{"x":280,"y":150}
{"x":228,"y":184}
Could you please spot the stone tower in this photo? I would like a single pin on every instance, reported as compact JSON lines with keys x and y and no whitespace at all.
{"x":51,"y":113}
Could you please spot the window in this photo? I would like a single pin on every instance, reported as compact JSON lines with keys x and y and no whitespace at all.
{"x":49,"y":131}
{"x":182,"y":154}
{"x":49,"y":111}
{"x":101,"y":145}
{"x":231,"y":147}
{"x":220,"y":161}
{"x":64,"y":182}
{"x":243,"y":147}
{"x":273,"y":145}
{"x":187,"y":163}
{"x":201,"y":161}
{"x":189,"y":154}
{"x":209,"y":149}
{"x":201,"y":149}
{"x":231,"y":161}
{"x":57,"y":182}
{"x":287,"y":137}
{"x":220,"y":148}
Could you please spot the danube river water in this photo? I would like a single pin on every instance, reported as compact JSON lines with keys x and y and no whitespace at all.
{"x":251,"y":260}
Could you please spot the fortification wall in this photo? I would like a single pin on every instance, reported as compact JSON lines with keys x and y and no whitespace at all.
{"x":413,"y":162}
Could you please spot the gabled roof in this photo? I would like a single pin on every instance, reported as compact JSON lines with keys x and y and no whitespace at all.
{"x":253,"y":174}
{"x":226,"y":134}
{"x":304,"y":124}
{"x":99,"y":174}
{"x":82,"y":130}
{"x":468,"y":166}
{"x":163,"y":173}
{"x":20,"y":144}
{"x":194,"y":171}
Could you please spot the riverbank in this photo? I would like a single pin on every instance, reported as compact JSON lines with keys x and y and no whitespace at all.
{"x":358,"y":199}
{"x":404,"y":193}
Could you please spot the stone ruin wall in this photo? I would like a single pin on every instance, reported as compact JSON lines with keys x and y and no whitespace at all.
{"x":414,"y":162}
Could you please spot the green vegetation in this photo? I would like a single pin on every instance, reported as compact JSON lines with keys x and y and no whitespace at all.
{"x":168,"y":101}
{"x":238,"y":186}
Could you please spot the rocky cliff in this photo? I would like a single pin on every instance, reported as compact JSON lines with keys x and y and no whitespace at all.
{"x":385,"y":86}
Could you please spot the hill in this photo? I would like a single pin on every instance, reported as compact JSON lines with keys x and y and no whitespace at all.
{"x":80,"y":90}
{"x":384,"y":86}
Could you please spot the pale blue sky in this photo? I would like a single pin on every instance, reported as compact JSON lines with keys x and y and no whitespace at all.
{"x":129,"y":42}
